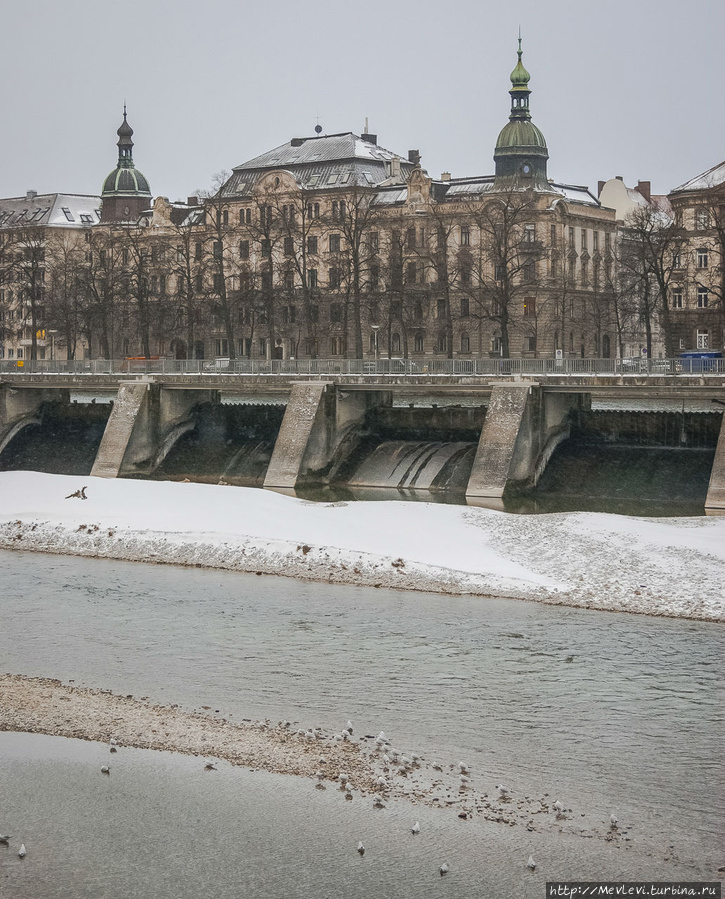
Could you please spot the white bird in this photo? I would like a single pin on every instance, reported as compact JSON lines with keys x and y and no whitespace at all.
{"x":443,"y":869}
{"x":464,"y":768}
{"x":4,"y":839}
{"x":361,"y":849}
{"x":416,"y":827}
{"x":531,"y":863}
{"x":386,"y":759}
{"x":22,"y":851}
{"x":378,"y":802}
{"x":613,"y":820}
{"x":343,"y":778}
{"x":559,"y":806}
{"x":502,"y":790}
{"x":210,"y":766}
{"x":105,"y":769}
{"x":113,"y":742}
{"x":349,"y":727}
{"x":381,"y":782}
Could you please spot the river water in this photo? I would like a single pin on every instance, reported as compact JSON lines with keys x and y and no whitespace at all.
{"x":607,"y":712}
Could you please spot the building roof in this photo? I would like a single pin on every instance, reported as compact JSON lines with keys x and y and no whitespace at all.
{"x":326,"y":162}
{"x":50,"y":210}
{"x":713,"y":177}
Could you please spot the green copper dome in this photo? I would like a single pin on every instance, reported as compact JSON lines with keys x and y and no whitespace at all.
{"x":125,"y":181}
{"x":520,"y":133}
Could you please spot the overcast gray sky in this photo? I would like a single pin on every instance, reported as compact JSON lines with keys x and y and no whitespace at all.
{"x":619,"y":87}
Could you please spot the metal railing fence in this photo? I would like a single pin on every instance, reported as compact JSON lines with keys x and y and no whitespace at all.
{"x":461,"y":367}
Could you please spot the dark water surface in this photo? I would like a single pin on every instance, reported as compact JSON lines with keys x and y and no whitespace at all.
{"x":608,"y":712}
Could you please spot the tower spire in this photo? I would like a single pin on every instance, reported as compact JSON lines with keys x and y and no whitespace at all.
{"x":125,"y":144}
{"x":520,"y":88}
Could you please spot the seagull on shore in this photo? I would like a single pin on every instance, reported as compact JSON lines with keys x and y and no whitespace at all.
{"x":613,"y":821}
{"x":105,"y":769}
{"x":361,"y":849}
{"x":349,"y":727}
{"x":210,"y":766}
{"x":502,"y":791}
{"x":22,"y":852}
{"x":531,"y":863}
{"x":559,"y":806}
{"x":416,"y":827}
{"x":443,"y":869}
{"x":4,"y":839}
{"x":464,"y":768}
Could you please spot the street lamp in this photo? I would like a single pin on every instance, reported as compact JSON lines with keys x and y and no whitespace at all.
{"x":376,"y":328}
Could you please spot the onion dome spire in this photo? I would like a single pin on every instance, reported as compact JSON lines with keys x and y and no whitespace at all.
{"x":126,"y":193}
{"x":521,"y":152}
{"x":125,"y":144}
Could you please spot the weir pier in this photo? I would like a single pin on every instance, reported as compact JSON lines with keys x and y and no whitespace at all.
{"x":524,"y":415}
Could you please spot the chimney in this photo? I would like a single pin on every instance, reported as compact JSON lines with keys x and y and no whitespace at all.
{"x":445,"y":176}
{"x":370,"y":138}
{"x":644,"y":188}
{"x":414,"y":157}
{"x":600,"y":185}
{"x":31,"y":195}
{"x":192,"y":201}
{"x":619,"y":177}
{"x":297,"y":141}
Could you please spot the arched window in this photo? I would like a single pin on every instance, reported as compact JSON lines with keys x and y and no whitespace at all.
{"x":395,"y":343}
{"x":606,"y":347}
{"x":465,"y":342}
{"x":441,"y":343}
{"x":418,"y":343}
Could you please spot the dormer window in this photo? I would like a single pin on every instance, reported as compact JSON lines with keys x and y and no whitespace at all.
{"x":67,"y":213}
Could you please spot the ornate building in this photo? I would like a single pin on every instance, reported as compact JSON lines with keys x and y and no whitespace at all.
{"x":126,"y":192}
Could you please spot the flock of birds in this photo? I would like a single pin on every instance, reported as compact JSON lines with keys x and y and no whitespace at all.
{"x":390,"y":758}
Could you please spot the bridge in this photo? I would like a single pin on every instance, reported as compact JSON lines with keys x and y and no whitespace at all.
{"x":528,"y":405}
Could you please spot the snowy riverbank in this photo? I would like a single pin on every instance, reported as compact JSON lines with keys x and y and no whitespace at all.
{"x":672,"y":567}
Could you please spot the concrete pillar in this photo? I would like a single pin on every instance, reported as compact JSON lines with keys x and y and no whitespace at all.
{"x":715,"y":500}
{"x":121,"y":423}
{"x":504,"y":449}
{"x":304,"y":438}
{"x":144,"y":424}
{"x":20,"y":407}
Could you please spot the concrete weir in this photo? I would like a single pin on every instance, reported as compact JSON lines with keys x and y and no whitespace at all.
{"x":145,"y":422}
{"x":20,"y":407}
{"x":715,"y":501}
{"x":523,"y":427}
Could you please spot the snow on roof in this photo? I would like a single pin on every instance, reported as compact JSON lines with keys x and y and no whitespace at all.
{"x":326,"y":148}
{"x":50,"y":210}
{"x":713,"y":177}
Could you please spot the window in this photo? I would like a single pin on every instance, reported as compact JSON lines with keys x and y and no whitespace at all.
{"x":266,"y":280}
{"x":595,"y":241}
{"x":374,"y":277}
{"x":531,"y":344}
{"x":585,"y":272}
{"x":395,"y":343}
{"x":499,"y":271}
{"x":411,"y":273}
{"x":265,"y":216}
{"x":373,"y":240}
{"x":441,"y":308}
{"x":607,"y":242}
{"x":441,"y":343}
{"x":676,"y":298}
{"x":266,"y":247}
{"x":465,"y":274}
{"x":553,"y":235}
{"x":313,"y":210}
{"x":465,"y":342}
{"x":529,"y":234}
{"x":314,"y":314}
{"x":702,"y":257}
{"x":530,"y":307}
{"x":217,"y":246}
{"x":677,"y":259}
{"x":571,"y":237}
{"x":312,"y":246}
{"x":198,"y":250}
{"x":335,"y":210}
{"x":529,"y":271}
{"x":337,"y":346}
{"x":584,"y":238}
{"x":465,"y":312}
{"x":703,"y":340}
{"x":702,"y":219}
{"x":418,"y":342}
{"x":222,"y":347}
{"x":68,"y":214}
{"x":465,"y":236}
{"x":334,"y":243}
{"x":218,"y":283}
{"x":289,"y":246}
{"x":199,"y":283}
{"x":334,"y":279}
{"x":244,"y":249}
{"x":289,"y":314}
{"x":289,"y":280}
{"x":396,"y":310}
{"x":418,"y":311}
{"x":342,"y":210}
{"x":162,"y":284}
{"x":312,"y":278}
{"x":702,"y":297}
{"x":410,"y":238}
{"x":225,"y":217}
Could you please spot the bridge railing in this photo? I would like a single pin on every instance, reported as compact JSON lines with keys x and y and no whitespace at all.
{"x":461,"y":367}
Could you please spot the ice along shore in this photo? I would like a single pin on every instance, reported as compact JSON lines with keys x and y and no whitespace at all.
{"x":668,"y":567}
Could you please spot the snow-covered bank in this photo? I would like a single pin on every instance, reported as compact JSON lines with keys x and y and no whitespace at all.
{"x":673,"y":567}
